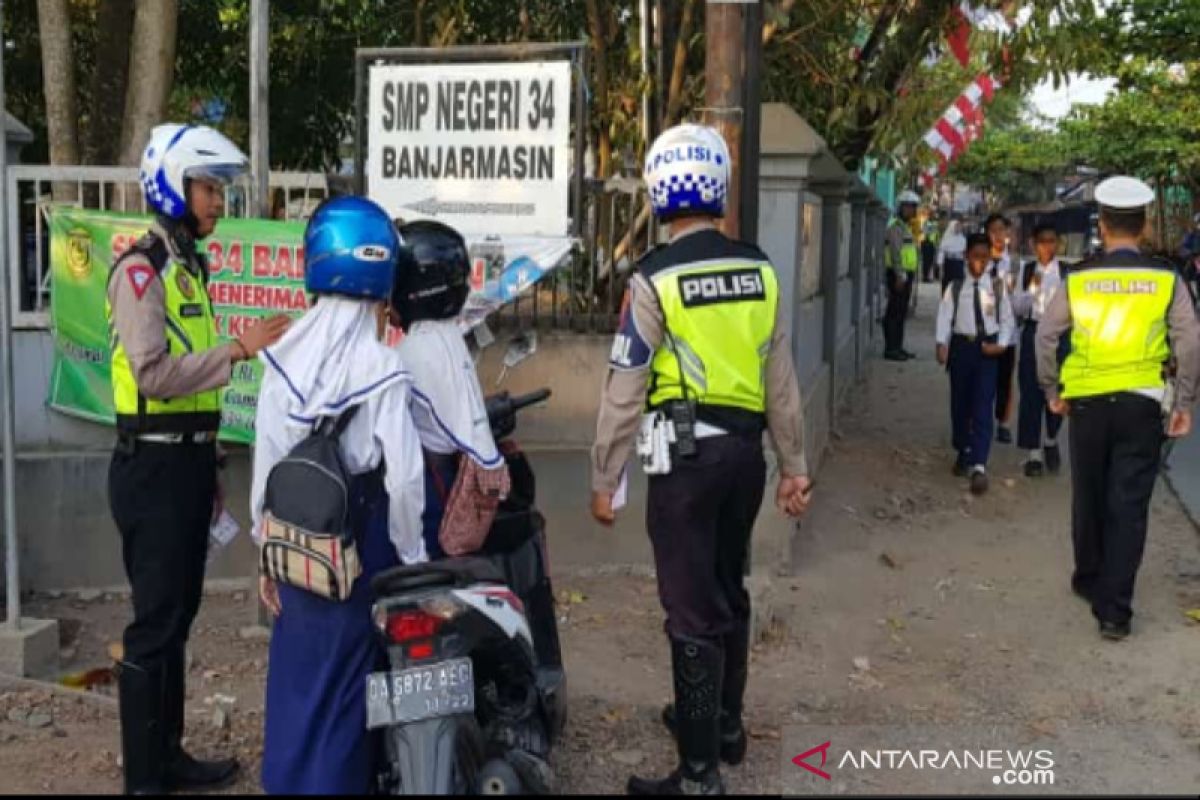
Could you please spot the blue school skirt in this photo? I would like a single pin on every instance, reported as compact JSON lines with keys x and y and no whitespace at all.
{"x":316,"y":738}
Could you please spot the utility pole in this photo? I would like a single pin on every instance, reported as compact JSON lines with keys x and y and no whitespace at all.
{"x":733,"y":52}
{"x":260,"y":163}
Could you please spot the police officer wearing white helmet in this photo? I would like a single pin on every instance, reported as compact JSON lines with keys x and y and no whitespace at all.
{"x":902,"y":259}
{"x":167,"y":371}
{"x":703,"y":361}
{"x":1127,"y":313}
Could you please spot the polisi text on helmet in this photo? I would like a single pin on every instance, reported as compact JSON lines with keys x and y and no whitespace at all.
{"x":691,"y":152}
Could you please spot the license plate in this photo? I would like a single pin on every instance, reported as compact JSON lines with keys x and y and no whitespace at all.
{"x":410,"y":695}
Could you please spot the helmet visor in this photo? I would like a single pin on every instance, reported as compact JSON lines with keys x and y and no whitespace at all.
{"x":224,"y":174}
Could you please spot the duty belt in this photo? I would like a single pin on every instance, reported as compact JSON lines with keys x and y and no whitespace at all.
{"x":198,"y":437}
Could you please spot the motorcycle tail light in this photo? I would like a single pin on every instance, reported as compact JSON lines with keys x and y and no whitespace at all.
{"x":411,"y":624}
{"x":420,"y":651}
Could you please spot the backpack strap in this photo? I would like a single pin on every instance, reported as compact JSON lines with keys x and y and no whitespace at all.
{"x":1027,"y":277}
{"x":334,"y":427}
{"x":956,"y":290}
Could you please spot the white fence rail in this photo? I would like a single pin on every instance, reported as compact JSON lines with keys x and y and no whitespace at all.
{"x":31,"y":188}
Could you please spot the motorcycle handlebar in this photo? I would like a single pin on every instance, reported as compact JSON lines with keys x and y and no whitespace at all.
{"x":502,"y":410}
{"x":526,"y":400}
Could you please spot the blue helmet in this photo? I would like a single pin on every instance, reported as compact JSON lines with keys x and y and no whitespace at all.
{"x":687,"y":172}
{"x":350,"y":248}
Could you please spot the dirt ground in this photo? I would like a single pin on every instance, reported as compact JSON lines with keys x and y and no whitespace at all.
{"x":908,"y":603}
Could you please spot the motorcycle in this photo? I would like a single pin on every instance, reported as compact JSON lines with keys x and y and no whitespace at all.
{"x":475,"y":694}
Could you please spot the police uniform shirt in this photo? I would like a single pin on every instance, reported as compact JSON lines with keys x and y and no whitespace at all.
{"x":895,"y":238}
{"x":964,"y":323}
{"x":624,"y":395}
{"x":1183,"y":331}
{"x":138,"y":300}
{"x":1030,"y":303}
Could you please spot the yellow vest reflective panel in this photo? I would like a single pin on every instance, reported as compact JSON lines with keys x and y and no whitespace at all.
{"x":189,"y":328}
{"x":1119,"y":329}
{"x":720,"y":316}
{"x":909,"y":255}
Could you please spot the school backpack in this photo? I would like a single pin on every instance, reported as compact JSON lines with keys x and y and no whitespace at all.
{"x":307,"y":541}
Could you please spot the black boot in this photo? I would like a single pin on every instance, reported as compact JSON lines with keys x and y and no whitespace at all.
{"x":140,"y":698}
{"x":182,"y":772}
{"x":733,"y":689}
{"x":697,"y":666}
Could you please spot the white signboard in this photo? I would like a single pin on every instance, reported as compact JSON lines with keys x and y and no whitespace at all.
{"x":485,"y":148}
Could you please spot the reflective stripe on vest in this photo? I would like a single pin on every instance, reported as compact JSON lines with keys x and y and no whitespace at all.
{"x":1119,"y":330}
{"x":189,"y":328}
{"x":910,"y":257}
{"x":720,"y":316}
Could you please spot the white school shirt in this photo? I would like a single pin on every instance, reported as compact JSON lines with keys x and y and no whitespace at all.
{"x":1031,"y":303}
{"x":964,"y":324}
{"x":449,"y":410}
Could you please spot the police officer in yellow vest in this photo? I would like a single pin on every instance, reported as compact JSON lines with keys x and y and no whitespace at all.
{"x":703,"y":361}
{"x":167,"y":371}
{"x":1127,"y":313}
{"x":902,"y":259}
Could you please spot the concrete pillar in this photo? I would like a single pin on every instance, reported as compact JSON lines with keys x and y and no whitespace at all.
{"x":860,"y":309}
{"x":833,"y":197}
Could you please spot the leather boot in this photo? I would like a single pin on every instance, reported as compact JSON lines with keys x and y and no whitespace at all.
{"x":733,"y":690}
{"x":182,"y":772}
{"x":139,"y":689}
{"x":697,"y":666}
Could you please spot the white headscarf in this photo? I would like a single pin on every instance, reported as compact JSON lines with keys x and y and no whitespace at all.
{"x":329,"y":361}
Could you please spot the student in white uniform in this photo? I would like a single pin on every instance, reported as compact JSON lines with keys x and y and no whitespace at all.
{"x":974,"y":327}
{"x":331,"y":361}
{"x":428,"y":294}
{"x":1040,"y":279}
{"x":997,"y":229}
{"x":952,"y":253}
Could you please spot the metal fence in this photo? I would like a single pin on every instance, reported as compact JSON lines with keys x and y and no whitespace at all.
{"x":31,"y":189}
{"x":583,"y":295}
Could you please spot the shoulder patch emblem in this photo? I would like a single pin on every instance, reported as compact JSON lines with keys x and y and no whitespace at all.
{"x":140,"y":276}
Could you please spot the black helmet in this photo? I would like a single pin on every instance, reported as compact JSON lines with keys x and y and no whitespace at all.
{"x":431,"y":272}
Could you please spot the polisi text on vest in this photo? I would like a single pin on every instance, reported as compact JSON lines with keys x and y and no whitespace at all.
{"x":720,"y":287}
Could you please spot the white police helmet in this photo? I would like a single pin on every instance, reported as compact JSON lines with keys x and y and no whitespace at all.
{"x":908,"y":196}
{"x":687,"y":172}
{"x":176,"y":153}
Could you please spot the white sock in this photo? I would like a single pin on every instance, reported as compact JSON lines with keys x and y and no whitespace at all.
{"x":1035,"y":455}
{"x":979,"y":468}
{"x":1048,"y":442}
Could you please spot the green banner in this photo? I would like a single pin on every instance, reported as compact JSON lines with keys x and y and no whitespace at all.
{"x":256,"y":269}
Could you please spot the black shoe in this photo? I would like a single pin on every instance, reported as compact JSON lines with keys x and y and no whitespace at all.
{"x":1114,"y":631}
{"x":961,"y":467}
{"x":909,"y":355}
{"x":182,"y":771}
{"x":189,"y":774}
{"x":1053,"y":459}
{"x":139,"y":689}
{"x":1003,"y":435}
{"x":893,"y":355}
{"x":1034,"y":469}
{"x":979,"y":482}
{"x":698,"y":666}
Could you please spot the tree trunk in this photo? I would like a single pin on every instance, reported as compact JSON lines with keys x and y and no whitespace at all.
{"x":114,"y":23}
{"x":151,"y":74}
{"x":597,"y":37}
{"x":903,"y":50}
{"x":679,"y":66}
{"x":419,"y":25}
{"x":58,"y":80}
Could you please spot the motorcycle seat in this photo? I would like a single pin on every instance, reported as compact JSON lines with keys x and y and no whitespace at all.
{"x":449,"y":571}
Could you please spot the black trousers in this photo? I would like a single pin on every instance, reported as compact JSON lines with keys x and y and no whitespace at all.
{"x":928,"y":260}
{"x":952,"y":269}
{"x":894,"y":316}
{"x":1005,"y":369}
{"x":1033,"y":408}
{"x":699,"y":518}
{"x":1116,"y":441}
{"x":161,"y":497}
